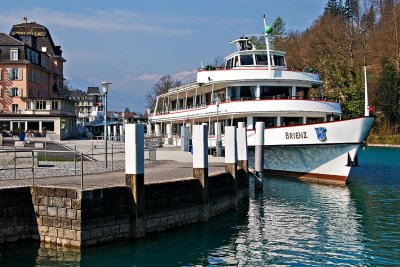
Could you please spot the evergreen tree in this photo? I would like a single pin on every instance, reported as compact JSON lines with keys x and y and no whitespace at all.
{"x":334,"y":8}
{"x":351,"y":10}
{"x":279,"y":27}
{"x":388,"y":92}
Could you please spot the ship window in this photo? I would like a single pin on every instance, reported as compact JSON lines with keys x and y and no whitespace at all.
{"x":291,"y":121}
{"x":274,"y":92}
{"x":311,"y":120}
{"x":246,"y":60}
{"x":269,"y":121}
{"x":241,"y":92}
{"x":229,"y":63}
{"x":261,"y":59}
{"x":279,"y":60}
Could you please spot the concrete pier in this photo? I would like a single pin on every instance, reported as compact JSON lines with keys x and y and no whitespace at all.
{"x":243,"y":167}
{"x":231,"y":162}
{"x":200,"y":168}
{"x":259,"y":154}
{"x":134,"y":173}
{"x":169,"y":134}
{"x":157,"y":131}
{"x":185,"y":135}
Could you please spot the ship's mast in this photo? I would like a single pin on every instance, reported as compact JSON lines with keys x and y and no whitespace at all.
{"x":366,"y":107}
{"x":267,"y":46}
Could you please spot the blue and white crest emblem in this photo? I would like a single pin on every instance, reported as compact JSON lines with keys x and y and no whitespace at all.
{"x":321,"y":133}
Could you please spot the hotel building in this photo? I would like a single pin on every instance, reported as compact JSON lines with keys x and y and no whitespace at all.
{"x":33,"y":98}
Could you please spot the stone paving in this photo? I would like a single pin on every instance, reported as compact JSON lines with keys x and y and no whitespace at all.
{"x":171,"y":164}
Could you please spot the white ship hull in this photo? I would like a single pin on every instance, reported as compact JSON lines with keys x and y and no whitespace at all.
{"x":296,"y":151}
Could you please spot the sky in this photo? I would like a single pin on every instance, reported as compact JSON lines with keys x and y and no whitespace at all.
{"x":134,"y":43}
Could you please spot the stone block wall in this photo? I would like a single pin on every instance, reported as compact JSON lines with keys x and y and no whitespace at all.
{"x":105,"y":215}
{"x":219,"y":193}
{"x":58,"y":215}
{"x":171,"y":204}
{"x":17,"y":217}
{"x":72,"y":217}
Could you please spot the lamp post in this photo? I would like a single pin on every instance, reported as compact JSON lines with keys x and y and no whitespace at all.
{"x":106,"y":86}
{"x":218,"y":144}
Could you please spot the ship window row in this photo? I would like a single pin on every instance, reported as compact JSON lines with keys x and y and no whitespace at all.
{"x":259,"y":59}
{"x":235,"y":93}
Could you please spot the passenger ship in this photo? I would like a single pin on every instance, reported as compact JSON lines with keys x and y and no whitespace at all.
{"x":305,"y":136}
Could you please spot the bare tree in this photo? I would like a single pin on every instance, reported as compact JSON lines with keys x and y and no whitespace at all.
{"x":161,"y":87}
{"x":219,"y":62}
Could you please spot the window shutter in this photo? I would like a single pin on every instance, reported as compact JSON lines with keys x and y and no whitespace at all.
{"x":19,"y":73}
{"x":1,"y":74}
{"x":10,"y":91}
{"x":9,"y":73}
{"x":20,"y":91}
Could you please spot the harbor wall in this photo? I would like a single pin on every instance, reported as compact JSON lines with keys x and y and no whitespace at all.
{"x":17,"y":216}
{"x":77,"y":218}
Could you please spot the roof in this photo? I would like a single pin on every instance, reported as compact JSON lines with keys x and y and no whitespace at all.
{"x":8,"y":40}
{"x":77,"y":93}
{"x":40,"y":33}
{"x":30,"y":24}
{"x":93,"y":90}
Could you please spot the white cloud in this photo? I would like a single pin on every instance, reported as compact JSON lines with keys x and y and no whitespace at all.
{"x":185,"y":76}
{"x":146,"y":77}
{"x":102,"y":21}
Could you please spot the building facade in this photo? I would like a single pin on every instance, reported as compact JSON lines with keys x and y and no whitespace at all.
{"x":32,"y":94}
{"x":88,"y":106}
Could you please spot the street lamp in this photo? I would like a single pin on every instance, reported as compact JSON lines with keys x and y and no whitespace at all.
{"x":218,"y":144}
{"x":106,"y":86}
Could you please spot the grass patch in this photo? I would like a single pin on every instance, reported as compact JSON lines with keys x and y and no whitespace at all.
{"x":59,"y":159}
{"x":384,"y":139}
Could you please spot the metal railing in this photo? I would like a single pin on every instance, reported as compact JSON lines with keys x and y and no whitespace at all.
{"x":23,"y":164}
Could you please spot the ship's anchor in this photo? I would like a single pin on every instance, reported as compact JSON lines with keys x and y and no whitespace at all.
{"x":350,"y":162}
{"x":256,"y":174}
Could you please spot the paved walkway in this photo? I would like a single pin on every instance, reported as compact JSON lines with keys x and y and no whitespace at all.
{"x":171,"y":164}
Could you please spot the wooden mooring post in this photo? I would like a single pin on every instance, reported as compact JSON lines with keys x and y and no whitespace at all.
{"x":200,"y":168}
{"x":134,"y":175}
{"x":231,"y":164}
{"x":259,"y":155}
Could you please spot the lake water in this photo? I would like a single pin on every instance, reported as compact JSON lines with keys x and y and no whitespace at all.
{"x":290,"y":223}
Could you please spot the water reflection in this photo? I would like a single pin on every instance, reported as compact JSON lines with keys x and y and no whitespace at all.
{"x":296,"y":223}
{"x":289,"y":223}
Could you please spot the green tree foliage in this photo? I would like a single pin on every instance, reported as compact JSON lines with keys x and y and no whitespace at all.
{"x":388,"y":93}
{"x":162,"y":86}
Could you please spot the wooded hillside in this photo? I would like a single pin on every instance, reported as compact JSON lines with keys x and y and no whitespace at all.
{"x":340,"y":42}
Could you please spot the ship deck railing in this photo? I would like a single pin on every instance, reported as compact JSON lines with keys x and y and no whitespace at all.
{"x":232,"y":99}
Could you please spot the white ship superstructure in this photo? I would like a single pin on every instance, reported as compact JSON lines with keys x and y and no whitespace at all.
{"x":304,"y":136}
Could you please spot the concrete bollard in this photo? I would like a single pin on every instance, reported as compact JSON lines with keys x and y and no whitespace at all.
{"x":157,"y":130}
{"x":121,"y":133}
{"x":149,"y":130}
{"x":259,"y":154}
{"x":169,"y":134}
{"x":108,"y":132}
{"x":218,"y":139}
{"x":231,"y":163}
{"x":134,"y":175}
{"x":115,"y":132}
{"x":243,"y":167}
{"x":184,"y":139}
{"x":200,"y":168}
